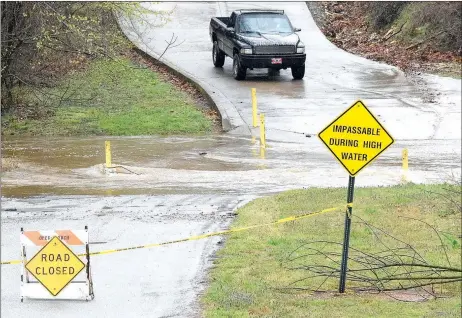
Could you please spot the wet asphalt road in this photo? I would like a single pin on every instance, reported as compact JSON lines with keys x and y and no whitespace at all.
{"x":334,"y":78}
{"x":178,"y":192}
{"x":158,"y":282}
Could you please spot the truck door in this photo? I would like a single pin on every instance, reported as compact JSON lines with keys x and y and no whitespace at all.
{"x":228,"y":43}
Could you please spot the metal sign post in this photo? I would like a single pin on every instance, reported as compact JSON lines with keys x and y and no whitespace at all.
{"x":355,"y":138}
{"x":346,"y":235}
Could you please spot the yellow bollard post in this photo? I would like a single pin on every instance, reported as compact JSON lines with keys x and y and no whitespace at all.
{"x":262,"y":131}
{"x":262,"y":152}
{"x":405,"y":159}
{"x":254,"y":107}
{"x":405,"y":165}
{"x":108,"y":154}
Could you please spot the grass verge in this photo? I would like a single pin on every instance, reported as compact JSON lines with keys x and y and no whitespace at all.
{"x":110,"y":97}
{"x":251,"y":270}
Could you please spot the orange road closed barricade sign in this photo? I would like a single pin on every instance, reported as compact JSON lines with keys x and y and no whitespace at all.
{"x":356,"y":138}
{"x":55,"y":265}
{"x":55,"y":271}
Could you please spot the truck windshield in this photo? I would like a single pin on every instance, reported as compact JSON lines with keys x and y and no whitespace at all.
{"x":264,"y":23}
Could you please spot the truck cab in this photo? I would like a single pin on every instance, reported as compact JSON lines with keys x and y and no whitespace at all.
{"x":257,"y":39}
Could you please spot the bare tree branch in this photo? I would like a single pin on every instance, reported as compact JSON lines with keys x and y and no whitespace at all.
{"x":391,"y":269}
{"x":171,"y":44}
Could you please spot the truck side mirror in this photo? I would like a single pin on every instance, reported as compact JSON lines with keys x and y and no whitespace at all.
{"x":230,"y":29}
{"x":297,"y":29}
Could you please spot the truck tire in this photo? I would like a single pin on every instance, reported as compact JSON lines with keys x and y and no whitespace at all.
{"x":239,"y":72}
{"x":298,"y":72}
{"x":218,"y":56}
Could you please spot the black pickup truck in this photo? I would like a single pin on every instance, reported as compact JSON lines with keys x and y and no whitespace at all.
{"x":257,"y":39}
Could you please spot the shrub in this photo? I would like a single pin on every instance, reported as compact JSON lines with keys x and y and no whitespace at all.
{"x":383,"y":13}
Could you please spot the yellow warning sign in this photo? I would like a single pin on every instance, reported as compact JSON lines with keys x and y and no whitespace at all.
{"x":356,"y":138}
{"x":55,"y":265}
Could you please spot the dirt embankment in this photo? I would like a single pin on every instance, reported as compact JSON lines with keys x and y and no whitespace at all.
{"x":417,"y":37}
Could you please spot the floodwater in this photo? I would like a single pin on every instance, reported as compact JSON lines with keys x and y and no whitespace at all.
{"x":208,"y":164}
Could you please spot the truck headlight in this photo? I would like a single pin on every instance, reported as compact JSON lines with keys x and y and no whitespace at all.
{"x":300,"y":49}
{"x":246,"y":51}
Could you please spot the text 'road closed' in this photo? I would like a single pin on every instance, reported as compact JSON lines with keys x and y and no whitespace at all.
{"x":55,"y":270}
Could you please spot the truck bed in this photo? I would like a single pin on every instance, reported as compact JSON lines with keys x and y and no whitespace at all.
{"x":221,"y":20}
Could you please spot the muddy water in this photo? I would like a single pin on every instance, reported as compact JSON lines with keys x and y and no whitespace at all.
{"x":207,"y":164}
{"x":71,"y":153}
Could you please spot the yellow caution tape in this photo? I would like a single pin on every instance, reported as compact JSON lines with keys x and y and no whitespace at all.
{"x":11,"y":262}
{"x":349,"y":205}
{"x":199,"y":237}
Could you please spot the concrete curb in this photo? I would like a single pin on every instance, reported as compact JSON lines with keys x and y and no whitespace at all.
{"x":231,"y":120}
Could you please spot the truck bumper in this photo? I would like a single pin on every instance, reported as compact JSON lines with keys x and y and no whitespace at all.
{"x":265,"y":61}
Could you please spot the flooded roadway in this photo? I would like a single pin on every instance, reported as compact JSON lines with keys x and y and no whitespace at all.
{"x":210,"y":164}
{"x":179,"y":186}
{"x":176,"y":187}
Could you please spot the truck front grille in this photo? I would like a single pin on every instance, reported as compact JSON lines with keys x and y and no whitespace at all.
{"x":275,"y":49}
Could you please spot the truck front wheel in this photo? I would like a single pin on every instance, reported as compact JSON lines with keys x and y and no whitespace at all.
{"x":298,"y":72}
{"x":218,"y":56}
{"x":239,"y":72}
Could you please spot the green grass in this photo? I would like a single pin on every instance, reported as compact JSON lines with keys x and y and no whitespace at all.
{"x":110,"y":98}
{"x":414,"y":29}
{"x":252,"y":267}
